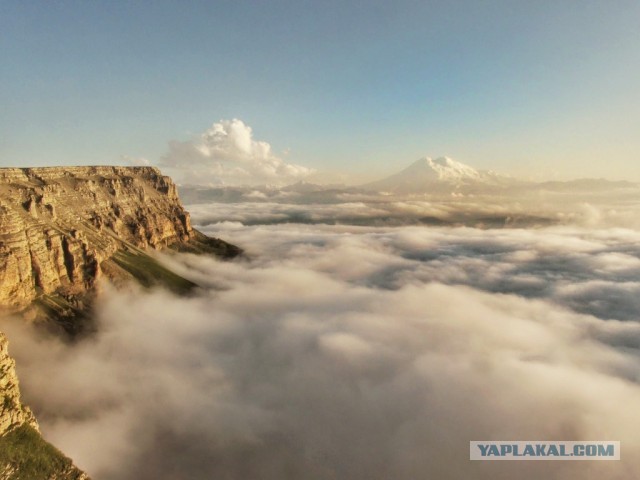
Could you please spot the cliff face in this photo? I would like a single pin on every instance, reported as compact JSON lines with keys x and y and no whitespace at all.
{"x":57,"y":225}
{"x":23,"y":452}
{"x":61,"y":228}
{"x":12,"y":413}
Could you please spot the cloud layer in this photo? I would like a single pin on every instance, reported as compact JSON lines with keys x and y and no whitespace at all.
{"x":312,"y":204}
{"x":339,"y":352}
{"x":227,"y":153}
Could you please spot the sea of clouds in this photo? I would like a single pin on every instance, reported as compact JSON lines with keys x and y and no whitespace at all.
{"x":533,"y":208}
{"x":354,"y":352}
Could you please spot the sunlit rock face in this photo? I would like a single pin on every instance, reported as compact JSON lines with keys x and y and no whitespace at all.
{"x":61,"y":230}
{"x":12,"y":413}
{"x":23,"y":452}
{"x":57,"y":225}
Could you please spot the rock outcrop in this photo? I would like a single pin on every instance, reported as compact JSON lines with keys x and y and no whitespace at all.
{"x":23,"y":451}
{"x":12,"y":413}
{"x":62,"y":228}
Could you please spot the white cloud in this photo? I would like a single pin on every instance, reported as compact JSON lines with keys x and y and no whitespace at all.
{"x":135,"y":161}
{"x":227,"y":153}
{"x":253,"y":206}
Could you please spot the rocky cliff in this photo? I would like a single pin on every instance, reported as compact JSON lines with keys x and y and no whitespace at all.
{"x":61,"y":229}
{"x":24,"y":454}
{"x":12,"y":413}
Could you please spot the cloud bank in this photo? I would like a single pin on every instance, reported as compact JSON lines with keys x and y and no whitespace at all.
{"x":313,"y":204}
{"x":227,"y":153}
{"x":338,"y":352}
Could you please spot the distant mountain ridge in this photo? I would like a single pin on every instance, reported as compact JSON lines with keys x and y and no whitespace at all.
{"x":439,"y":175}
{"x":444,"y":175}
{"x":425,"y":176}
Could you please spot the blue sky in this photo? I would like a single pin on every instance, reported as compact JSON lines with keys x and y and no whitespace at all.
{"x":543,"y":88}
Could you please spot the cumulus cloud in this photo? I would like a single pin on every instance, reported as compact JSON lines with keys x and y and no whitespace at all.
{"x":135,"y":161}
{"x":341,"y":352}
{"x":227,"y":153}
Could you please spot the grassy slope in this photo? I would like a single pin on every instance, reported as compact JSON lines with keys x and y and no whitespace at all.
{"x":149,"y":272}
{"x":124,"y":266}
{"x":202,"y":244}
{"x":31,"y":457}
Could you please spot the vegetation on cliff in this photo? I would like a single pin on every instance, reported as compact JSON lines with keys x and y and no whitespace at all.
{"x":62,"y":229}
{"x":25,"y":455}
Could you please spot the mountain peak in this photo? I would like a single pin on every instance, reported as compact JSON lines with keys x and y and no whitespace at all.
{"x":432,"y":175}
{"x":441,"y":169}
{"x":441,"y":161}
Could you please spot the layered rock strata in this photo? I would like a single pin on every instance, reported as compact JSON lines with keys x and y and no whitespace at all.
{"x":60,"y":229}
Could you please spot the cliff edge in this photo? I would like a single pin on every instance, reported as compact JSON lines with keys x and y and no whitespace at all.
{"x":61,"y":229}
{"x":24,"y":454}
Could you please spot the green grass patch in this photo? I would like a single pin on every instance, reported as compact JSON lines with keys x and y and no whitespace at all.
{"x":30,"y":455}
{"x":149,"y":272}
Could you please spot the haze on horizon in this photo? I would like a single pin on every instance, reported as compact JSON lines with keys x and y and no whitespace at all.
{"x":533,"y":89}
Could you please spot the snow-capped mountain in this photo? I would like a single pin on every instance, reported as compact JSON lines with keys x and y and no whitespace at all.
{"x":438,"y":175}
{"x":441,"y":178}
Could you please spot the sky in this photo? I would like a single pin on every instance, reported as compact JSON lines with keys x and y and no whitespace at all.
{"x":541,"y":89}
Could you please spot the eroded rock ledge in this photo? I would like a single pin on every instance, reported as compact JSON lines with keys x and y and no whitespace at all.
{"x":62,"y":228}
